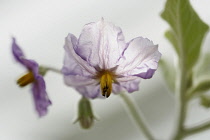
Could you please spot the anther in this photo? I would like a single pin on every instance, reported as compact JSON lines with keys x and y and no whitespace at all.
{"x":26,"y":79}
{"x":106,"y":84}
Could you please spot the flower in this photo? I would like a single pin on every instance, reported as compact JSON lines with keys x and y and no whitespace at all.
{"x":33,"y":77}
{"x":100,"y":61}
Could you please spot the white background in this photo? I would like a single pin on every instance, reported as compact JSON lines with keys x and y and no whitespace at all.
{"x":40,"y":28}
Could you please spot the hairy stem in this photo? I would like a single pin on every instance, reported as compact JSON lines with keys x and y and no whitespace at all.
{"x":53,"y":69}
{"x":181,"y":101}
{"x":45,"y":69}
{"x":134,"y":112}
{"x":196,"y":129}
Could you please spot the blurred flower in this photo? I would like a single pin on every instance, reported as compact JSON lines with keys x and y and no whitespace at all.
{"x":33,"y":77}
{"x":100,"y":61}
{"x":85,"y":113}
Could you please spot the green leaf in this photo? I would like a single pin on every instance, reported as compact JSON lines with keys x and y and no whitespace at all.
{"x":202,"y":69}
{"x":187,"y":30}
{"x":205,"y":101}
{"x":170,"y":36}
{"x":202,"y":86}
{"x":169,"y":73}
{"x":199,"y":88}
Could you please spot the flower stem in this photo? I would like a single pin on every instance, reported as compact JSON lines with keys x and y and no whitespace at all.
{"x":53,"y":69}
{"x":196,"y":129}
{"x":133,"y":111}
{"x":181,"y":101}
{"x":44,"y":69}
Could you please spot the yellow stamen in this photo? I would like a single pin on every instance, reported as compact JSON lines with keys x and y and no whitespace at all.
{"x":106,"y":84}
{"x":26,"y":79}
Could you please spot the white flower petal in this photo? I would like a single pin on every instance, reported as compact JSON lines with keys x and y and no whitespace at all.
{"x":101,"y":44}
{"x":74,"y":59}
{"x":76,"y":71}
{"x":130,"y":84}
{"x":140,"y":58}
{"x":91,"y":91}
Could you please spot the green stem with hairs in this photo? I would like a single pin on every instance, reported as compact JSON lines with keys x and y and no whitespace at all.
{"x":44,"y":69}
{"x":181,"y":101}
{"x":134,"y":112}
{"x":196,"y":129}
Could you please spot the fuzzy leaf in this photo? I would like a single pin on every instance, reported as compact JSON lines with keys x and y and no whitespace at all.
{"x":202,"y":69}
{"x":170,"y":36}
{"x":187,"y":30}
{"x":202,"y":86}
{"x":205,"y":101}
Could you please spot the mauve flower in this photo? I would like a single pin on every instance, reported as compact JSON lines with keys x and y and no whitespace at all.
{"x":100,"y":61}
{"x":33,"y":77}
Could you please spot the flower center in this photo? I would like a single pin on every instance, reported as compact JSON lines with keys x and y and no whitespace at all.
{"x":106,"y":83}
{"x":26,"y":79}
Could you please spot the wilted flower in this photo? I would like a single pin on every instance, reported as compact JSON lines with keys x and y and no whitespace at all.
{"x":100,"y":61}
{"x":85,"y":113}
{"x":33,"y":77}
